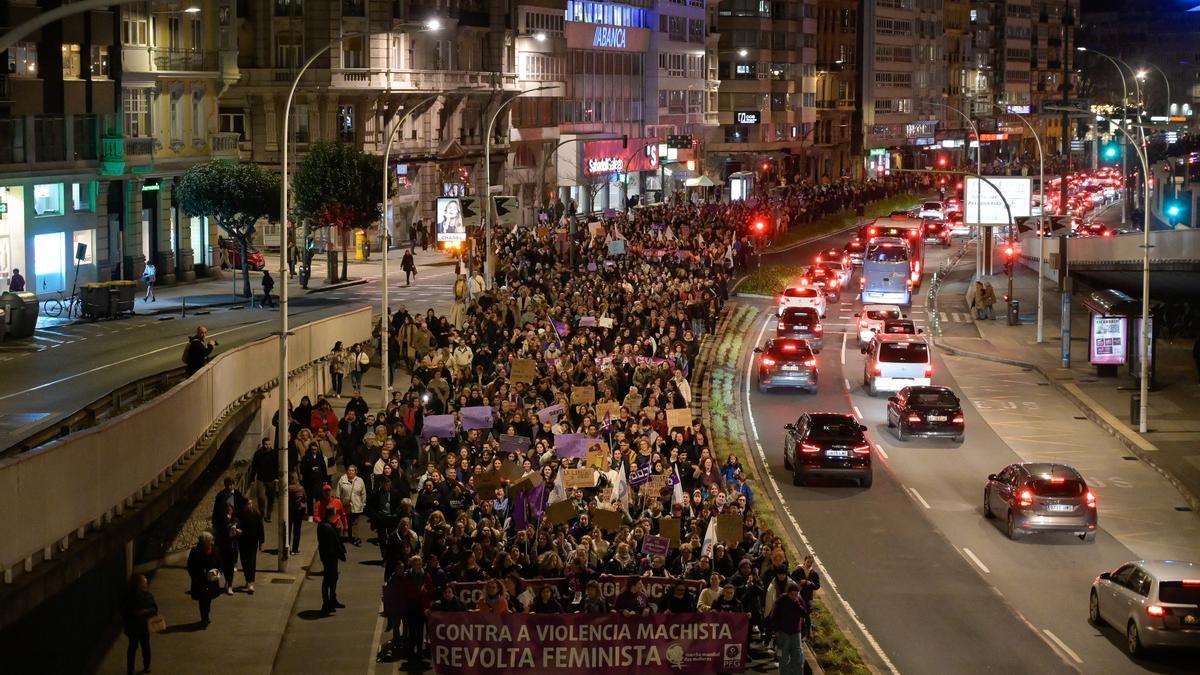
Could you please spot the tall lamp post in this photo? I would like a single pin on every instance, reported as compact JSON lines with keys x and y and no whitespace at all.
{"x":1124,"y":108}
{"x":281,"y":427}
{"x":1166,"y":104}
{"x":978,"y":186}
{"x":489,"y":262}
{"x":1041,"y":337}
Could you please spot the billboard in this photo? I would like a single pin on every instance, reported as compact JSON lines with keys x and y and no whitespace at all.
{"x":1107,"y":342}
{"x":1016,"y":190}
{"x":451,"y":223}
{"x":613,"y":156}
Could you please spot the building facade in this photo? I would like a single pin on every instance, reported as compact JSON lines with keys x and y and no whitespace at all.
{"x":838,"y":134}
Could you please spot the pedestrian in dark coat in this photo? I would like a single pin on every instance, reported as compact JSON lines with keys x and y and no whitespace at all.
{"x":228,"y":534}
{"x":250,"y":541}
{"x":409,"y":265}
{"x":332,"y":551}
{"x":137,"y":607}
{"x":196,"y":354}
{"x":204,"y":565}
{"x":268,"y":284}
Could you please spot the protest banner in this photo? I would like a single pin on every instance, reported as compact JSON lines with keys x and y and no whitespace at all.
{"x":608,"y":409}
{"x":550,"y":413}
{"x":587,"y":322}
{"x":639,"y":475}
{"x":598,"y":458}
{"x":655,"y":544}
{"x":609,"y":521}
{"x":679,"y":417}
{"x":616,"y":247}
{"x":560,"y":512}
{"x":574,"y":445}
{"x":729,"y":528}
{"x":523,"y":370}
{"x":606,"y":322}
{"x":655,"y":485}
{"x":477,"y":417}
{"x":579,"y":478}
{"x":669,"y":528}
{"x":611,"y":586}
{"x":581,"y":395}
{"x":689,"y":643}
{"x":438,"y":425}
{"x":510,"y":444}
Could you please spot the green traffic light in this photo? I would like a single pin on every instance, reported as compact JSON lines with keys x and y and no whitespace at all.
{"x":1110,"y":152}
{"x":1173,"y":210}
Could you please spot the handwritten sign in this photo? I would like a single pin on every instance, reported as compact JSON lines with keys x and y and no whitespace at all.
{"x":585,"y":478}
{"x":598,"y":458}
{"x":608,"y":409}
{"x":511,"y":470}
{"x":583,"y":395}
{"x":655,"y":485}
{"x":654,"y":544}
{"x":669,"y":528}
{"x":606,"y":519}
{"x":605,"y":322}
{"x":679,"y":417}
{"x":729,"y":528}
{"x":550,"y":414}
{"x":523,"y":370}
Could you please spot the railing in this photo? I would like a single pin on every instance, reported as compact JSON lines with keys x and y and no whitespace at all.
{"x":12,"y":140}
{"x":146,"y":443}
{"x":224,"y":143}
{"x":422,"y":80}
{"x":86,"y":133}
{"x":183,"y":60}
{"x":139,"y":147}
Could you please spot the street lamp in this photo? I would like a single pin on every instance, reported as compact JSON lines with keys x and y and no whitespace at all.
{"x":978,"y":187}
{"x":488,"y":262}
{"x":1124,"y":108}
{"x":1167,"y":103}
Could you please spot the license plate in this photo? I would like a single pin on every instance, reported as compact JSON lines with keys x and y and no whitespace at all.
{"x":936,"y":418}
{"x":837,"y":453}
{"x":791,"y":368}
{"x":1060,"y":507}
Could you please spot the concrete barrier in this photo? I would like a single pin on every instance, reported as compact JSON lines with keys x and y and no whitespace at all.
{"x":66,"y":488}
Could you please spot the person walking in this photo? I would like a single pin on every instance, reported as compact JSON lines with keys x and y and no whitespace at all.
{"x":352,"y":491}
{"x":198,"y":350}
{"x":228,"y":535}
{"x":409,"y":265}
{"x":204,"y":570}
{"x":149,"y":276}
{"x":16,"y":283}
{"x":332,"y":551}
{"x":137,"y":607}
{"x":337,"y":367}
{"x":268,"y":284}
{"x":297,"y":510}
{"x":264,"y":477}
{"x":787,"y":620}
{"x":989,"y":300}
{"x":360,"y":363}
{"x":250,"y":540}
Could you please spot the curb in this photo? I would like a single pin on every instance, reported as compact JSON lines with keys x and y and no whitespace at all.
{"x":336,"y":286}
{"x":758,"y":296}
{"x":1132,"y":442}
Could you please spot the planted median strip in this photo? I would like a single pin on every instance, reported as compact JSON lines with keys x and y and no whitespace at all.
{"x":836,"y":222}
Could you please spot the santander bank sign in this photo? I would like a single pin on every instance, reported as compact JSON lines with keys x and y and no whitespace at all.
{"x":609,"y":37}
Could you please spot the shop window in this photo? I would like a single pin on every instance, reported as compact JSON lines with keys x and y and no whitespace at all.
{"x":72,"y":65}
{"x":83,"y":197}
{"x":48,"y":199}
{"x":23,"y":60}
{"x":346,"y":123}
{"x":99,"y":62}
{"x":88,"y":239}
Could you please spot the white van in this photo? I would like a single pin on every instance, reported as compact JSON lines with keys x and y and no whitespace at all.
{"x":896,"y":361}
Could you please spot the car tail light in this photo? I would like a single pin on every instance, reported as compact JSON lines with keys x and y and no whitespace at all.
{"x":878,"y":369}
{"x":1155,"y":610}
{"x":863,"y":449}
{"x":818,"y":328}
{"x":789,"y":348}
{"x":810,"y":363}
{"x":809,"y":447}
{"x":781,"y":326}
{"x":862,"y":324}
{"x":871,"y":231}
{"x":914,"y":417}
{"x":958,"y":419}
{"x":768,"y":361}
{"x":1091,"y":499}
{"x":1025,"y":498}
{"x":929,"y":371}
{"x":1191,"y":582}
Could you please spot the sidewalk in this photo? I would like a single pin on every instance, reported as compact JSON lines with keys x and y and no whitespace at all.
{"x":1172,"y":444}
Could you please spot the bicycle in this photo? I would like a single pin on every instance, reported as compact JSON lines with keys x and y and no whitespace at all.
{"x":54,"y":307}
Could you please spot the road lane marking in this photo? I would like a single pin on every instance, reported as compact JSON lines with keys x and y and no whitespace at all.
{"x":858,"y":413}
{"x":1062,"y":645}
{"x":917,"y":496}
{"x":844,"y":336}
{"x":975,"y":559}
{"x":846,"y":383}
{"x":829,"y":582}
{"x":878,"y":449}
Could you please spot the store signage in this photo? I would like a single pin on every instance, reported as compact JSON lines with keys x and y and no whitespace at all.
{"x":606,"y":165}
{"x":1108,"y":340}
{"x":1020,"y":109}
{"x":923,"y":141}
{"x":747,"y":117}
{"x":993,"y":137}
{"x":609,"y":38}
{"x":921,"y":128}
{"x":612,"y":157}
{"x":878,"y":152}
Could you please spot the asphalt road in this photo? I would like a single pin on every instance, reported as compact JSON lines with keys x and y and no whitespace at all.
{"x":936,"y":587}
{"x":69,"y":366}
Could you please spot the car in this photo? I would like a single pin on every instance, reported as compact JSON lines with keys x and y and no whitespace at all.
{"x":926,"y":411}
{"x":932,"y":210}
{"x":958,"y":228}
{"x":801,"y":323}
{"x":871,"y":318}
{"x":854,"y":252}
{"x":896,"y":361}
{"x":1155,"y":602}
{"x":900,"y":327}
{"x":233,"y":256}
{"x":1041,"y":497}
{"x":831,"y":255}
{"x":952,"y":205}
{"x":841,"y":268}
{"x":786,"y":362}
{"x":825,"y":279}
{"x":802,"y":295}
{"x":827,"y":444}
{"x":1093,"y":229}
{"x":937,"y":231}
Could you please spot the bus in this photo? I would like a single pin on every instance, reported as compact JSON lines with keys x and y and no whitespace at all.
{"x":911,"y":230}
{"x":886,"y":272}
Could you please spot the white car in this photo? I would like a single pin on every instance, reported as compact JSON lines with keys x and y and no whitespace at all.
{"x":839,"y":268}
{"x":802,"y":295}
{"x":933,"y":210}
{"x":871,"y":318}
{"x":1155,"y":603}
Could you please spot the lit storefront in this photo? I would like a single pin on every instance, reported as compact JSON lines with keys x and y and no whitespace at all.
{"x":45,"y":229}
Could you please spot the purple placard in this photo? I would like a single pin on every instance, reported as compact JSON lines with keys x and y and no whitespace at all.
{"x":517,"y":444}
{"x":477,"y":417}
{"x":573,"y":445}
{"x":587,"y":322}
{"x":640,"y":475}
{"x":549,"y":414}
{"x":656,"y":545}
{"x":438,"y":425}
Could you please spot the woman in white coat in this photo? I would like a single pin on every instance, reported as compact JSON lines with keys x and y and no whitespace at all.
{"x":353,"y":492}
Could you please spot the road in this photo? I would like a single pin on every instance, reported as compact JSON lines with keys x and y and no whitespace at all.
{"x":936,"y":586}
{"x":66,"y":367}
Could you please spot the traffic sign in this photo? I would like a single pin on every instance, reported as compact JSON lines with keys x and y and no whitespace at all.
{"x":679,"y":141}
{"x":506,"y":209}
{"x":1074,"y":107}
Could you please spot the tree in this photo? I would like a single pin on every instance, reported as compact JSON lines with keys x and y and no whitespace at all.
{"x":337,"y":185}
{"x":235,"y":195}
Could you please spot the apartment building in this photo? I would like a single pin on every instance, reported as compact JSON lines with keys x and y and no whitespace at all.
{"x":837,"y":138}
{"x":889,"y":61}
{"x":541,"y":61}
{"x":960,"y":71}
{"x":101,"y":112}
{"x":1054,"y":36}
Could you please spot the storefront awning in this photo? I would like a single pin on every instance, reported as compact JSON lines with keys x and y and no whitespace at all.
{"x":702,"y":181}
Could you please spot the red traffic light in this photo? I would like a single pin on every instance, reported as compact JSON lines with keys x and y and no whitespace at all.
{"x":760,"y":225}
{"x":766,"y":166}
{"x":941,"y":161}
{"x":1009,"y":251}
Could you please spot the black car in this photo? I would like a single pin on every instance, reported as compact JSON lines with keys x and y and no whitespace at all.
{"x":926,"y":411}
{"x":937,"y":231}
{"x":787,"y":362}
{"x":854,"y":252}
{"x":803,"y":323}
{"x":827,"y":280}
{"x":827,"y":444}
{"x":900,"y":327}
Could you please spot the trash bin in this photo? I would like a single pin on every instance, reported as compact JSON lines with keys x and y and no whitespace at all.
{"x":3,"y":322}
{"x":1135,"y":409}
{"x":1014,"y":312}
{"x":22,"y":310}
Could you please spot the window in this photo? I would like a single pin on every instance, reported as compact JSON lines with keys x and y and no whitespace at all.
{"x":135,"y":29}
{"x":198,"y":117}
{"x":354,"y":53}
{"x":346,"y":123}
{"x":136,"y":106}
{"x":48,"y":199}
{"x":72,"y":66}
{"x":23,"y":60}
{"x":99,"y":62}
{"x":88,"y":239}
{"x":232,"y":121}
{"x":83,"y":197}
{"x":354,"y":8}
{"x":301,"y":118}
{"x":174,"y":35}
{"x":176,"y":122}
{"x":289,"y":46}
{"x":289,"y":7}
{"x":197,"y":43}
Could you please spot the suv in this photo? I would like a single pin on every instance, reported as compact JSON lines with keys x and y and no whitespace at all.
{"x":931,"y":210}
{"x":926,"y":411}
{"x":827,"y":444}
{"x":1156,"y":603}
{"x":1041,"y":497}
{"x":786,"y":362}
{"x":937,"y":231}
{"x":871,"y":320}
{"x":896,"y":361}
{"x":828,"y":280}
{"x":854,"y":252}
{"x":803,"y":323}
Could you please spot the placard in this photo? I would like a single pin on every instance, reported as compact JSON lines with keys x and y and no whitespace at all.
{"x":561,"y":512}
{"x":605,"y":322}
{"x":581,"y":395}
{"x":729,"y":528}
{"x":679,"y":417}
{"x":523,"y":370}
{"x":550,"y":413}
{"x":607,"y":409}
{"x":655,"y":485}
{"x":669,"y":528}
{"x":654,"y":544}
{"x":511,"y":470}
{"x":580,"y":478}
{"x":606,"y":519}
{"x":486,"y":483}
{"x":598,"y":458}
{"x":517,"y":444}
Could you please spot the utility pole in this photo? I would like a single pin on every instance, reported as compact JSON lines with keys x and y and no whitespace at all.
{"x":1068,"y":19}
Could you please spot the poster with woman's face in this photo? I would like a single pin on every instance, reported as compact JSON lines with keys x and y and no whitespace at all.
{"x":450,"y":224}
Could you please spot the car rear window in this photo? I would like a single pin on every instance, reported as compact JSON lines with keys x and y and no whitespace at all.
{"x":800,"y":315}
{"x":790,"y":351}
{"x":1179,"y":593}
{"x":800,"y":293}
{"x":932,"y":206}
{"x":904,"y":352}
{"x":932,"y":398}
{"x":888,"y":254}
{"x":882,"y":314}
{"x":899,"y":328}
{"x":1065,"y":488}
{"x":834,"y":428}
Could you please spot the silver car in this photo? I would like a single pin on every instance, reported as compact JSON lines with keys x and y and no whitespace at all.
{"x":1041,"y":497}
{"x":1155,"y":602}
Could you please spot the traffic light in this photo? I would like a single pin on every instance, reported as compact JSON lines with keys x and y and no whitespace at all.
{"x":1111,"y":151}
{"x":760,"y":226}
{"x":942,"y":161}
{"x":1010,"y":254}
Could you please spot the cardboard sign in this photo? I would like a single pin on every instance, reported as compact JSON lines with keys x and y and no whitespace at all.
{"x":511,"y":470}
{"x":598,"y":458}
{"x":583,"y":395}
{"x":486,"y":483}
{"x":523,"y":370}
{"x":669,"y":528}
{"x":609,"y":521}
{"x":654,"y":544}
{"x":550,"y":413}
{"x":616,"y":247}
{"x":586,"y":478}
{"x":679,"y":417}
{"x":510,"y":444}
{"x":729,"y":529}
{"x":655,"y":485}
{"x":605,"y":322}
{"x":560,"y":512}
{"x":609,"y":409}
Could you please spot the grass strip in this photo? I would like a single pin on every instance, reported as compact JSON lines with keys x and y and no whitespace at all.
{"x":845,"y":219}
{"x":770,"y":279}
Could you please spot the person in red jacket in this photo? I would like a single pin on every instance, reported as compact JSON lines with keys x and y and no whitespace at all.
{"x":329,"y":501}
{"x":323,"y":417}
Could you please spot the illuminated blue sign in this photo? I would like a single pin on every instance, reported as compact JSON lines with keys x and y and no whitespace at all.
{"x":609,"y":37}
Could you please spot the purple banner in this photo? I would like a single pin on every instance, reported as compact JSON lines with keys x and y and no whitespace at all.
{"x":518,"y":444}
{"x":550,"y":413}
{"x":653,"y":588}
{"x":474,"y":643}
{"x":639,"y":475}
{"x":574,"y":445}
{"x":438,"y":425}
{"x":477,"y":417}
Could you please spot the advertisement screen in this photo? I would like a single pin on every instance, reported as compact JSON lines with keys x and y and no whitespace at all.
{"x":1017,"y":191}
{"x":450,"y":223}
{"x":1107,"y":341}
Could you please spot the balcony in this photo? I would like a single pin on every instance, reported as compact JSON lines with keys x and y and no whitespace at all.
{"x":224,"y":144}
{"x":421,"y":80}
{"x":12,"y":140}
{"x":179,"y":60}
{"x":139,"y":148}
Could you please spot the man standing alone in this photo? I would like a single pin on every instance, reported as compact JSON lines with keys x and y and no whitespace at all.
{"x":196,"y":354}
{"x":332,"y":551}
{"x":787,"y":618}
{"x":264,"y":476}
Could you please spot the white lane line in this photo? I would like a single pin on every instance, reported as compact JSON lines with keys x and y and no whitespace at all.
{"x":97,"y":369}
{"x":1062,"y":645}
{"x":975,"y":559}
{"x":857,"y":413}
{"x":371,"y":661}
{"x":917,"y":496}
{"x":844,"y":353}
{"x":945,"y":317}
{"x":846,"y":383}
{"x":879,"y":450}
{"x":829,"y":582}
